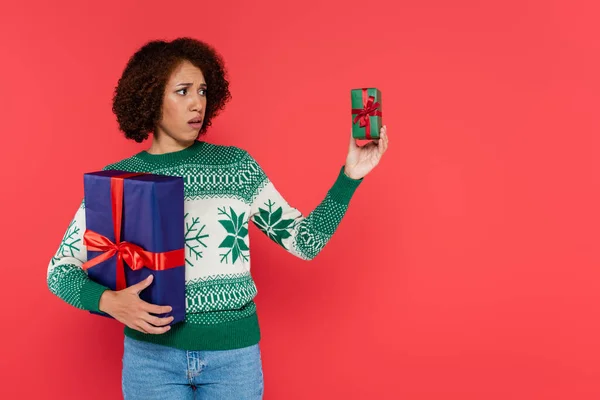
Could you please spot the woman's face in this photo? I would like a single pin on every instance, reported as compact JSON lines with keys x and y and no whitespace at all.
{"x":184,"y":104}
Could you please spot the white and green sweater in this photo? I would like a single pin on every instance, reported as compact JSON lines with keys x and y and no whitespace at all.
{"x":225,"y":188}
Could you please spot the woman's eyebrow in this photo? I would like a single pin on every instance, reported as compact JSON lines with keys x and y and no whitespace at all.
{"x":190,"y":84}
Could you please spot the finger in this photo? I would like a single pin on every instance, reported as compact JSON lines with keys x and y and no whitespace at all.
{"x":156,"y":321}
{"x":155,"y":309}
{"x":384,"y":139}
{"x":353,"y":144}
{"x":156,"y":330}
{"x":381,"y":135}
{"x":138,"y":328}
{"x":381,"y":142}
{"x":138,"y":287}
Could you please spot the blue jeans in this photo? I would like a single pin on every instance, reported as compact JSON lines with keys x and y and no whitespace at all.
{"x":152,"y":371}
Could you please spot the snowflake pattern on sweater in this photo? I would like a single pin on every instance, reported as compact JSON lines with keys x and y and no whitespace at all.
{"x":224,"y":189}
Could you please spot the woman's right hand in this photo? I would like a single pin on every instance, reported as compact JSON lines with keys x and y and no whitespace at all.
{"x":127,"y":307}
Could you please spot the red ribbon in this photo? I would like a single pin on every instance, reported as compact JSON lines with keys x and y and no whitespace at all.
{"x":370,"y":108}
{"x":132,"y":254}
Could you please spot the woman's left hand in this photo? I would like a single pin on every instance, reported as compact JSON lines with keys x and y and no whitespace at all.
{"x":362,"y":159}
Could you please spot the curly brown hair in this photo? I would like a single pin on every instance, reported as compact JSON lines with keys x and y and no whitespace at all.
{"x":138,"y":96}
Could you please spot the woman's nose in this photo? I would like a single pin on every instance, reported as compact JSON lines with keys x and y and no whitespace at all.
{"x":197,"y":106}
{"x":198,"y":103}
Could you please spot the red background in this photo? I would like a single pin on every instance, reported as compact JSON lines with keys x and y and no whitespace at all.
{"x":466,"y":266}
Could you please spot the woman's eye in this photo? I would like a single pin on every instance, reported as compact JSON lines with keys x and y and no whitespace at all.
{"x":201,"y":91}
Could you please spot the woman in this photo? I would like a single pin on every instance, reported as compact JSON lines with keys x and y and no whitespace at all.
{"x":174,"y":90}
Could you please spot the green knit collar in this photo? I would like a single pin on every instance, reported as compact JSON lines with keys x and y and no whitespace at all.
{"x":174,"y":156}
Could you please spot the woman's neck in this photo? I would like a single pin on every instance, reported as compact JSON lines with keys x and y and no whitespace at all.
{"x":163,"y":144}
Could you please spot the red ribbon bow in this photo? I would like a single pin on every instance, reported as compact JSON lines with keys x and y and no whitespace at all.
{"x":132,"y":254}
{"x":370,"y":108}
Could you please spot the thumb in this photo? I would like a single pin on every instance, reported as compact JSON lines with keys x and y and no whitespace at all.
{"x":353,"y":144}
{"x":138,"y":287}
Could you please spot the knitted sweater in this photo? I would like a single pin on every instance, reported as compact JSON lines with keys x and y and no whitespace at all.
{"x":224,"y":189}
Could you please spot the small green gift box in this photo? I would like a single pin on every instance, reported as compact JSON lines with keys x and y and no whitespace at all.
{"x":366,"y":113}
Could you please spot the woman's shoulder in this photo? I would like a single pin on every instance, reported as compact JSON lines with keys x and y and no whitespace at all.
{"x":222,"y":154}
{"x":237,"y":158}
{"x":131,"y":164}
{"x":205,"y":153}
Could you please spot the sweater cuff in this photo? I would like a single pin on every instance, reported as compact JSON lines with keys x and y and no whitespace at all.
{"x":90,"y":295}
{"x":343,"y":188}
